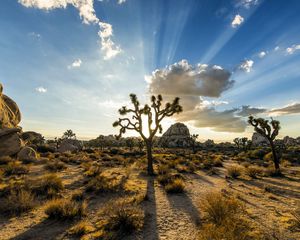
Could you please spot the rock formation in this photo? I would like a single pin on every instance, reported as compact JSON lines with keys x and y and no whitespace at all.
{"x":70,"y":145}
{"x":259,"y":140}
{"x":178,"y":135}
{"x":10,"y":115}
{"x":10,"y":134}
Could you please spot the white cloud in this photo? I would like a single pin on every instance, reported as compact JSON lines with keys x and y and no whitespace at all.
{"x":108,"y":47}
{"x":87,"y":14}
{"x":238,"y":20}
{"x":85,"y":7}
{"x":262,"y":54}
{"x":76,"y":64}
{"x":292,"y":49}
{"x":121,"y":1}
{"x":246,"y":65}
{"x":41,"y":89}
{"x":276,"y":48}
{"x":246,"y":3}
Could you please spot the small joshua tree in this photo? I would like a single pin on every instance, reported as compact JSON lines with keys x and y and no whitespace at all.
{"x":69,"y":135}
{"x":155,"y":114}
{"x":193,"y":141}
{"x":243,"y":143}
{"x":269,"y":131}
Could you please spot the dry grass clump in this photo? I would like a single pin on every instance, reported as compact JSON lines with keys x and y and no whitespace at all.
{"x":175,"y":186}
{"x":120,"y":219}
{"x":15,"y":168}
{"x":93,"y":171}
{"x":271,"y":172}
{"x":81,"y":228}
{"x":253,"y":171}
{"x":17,"y":202}
{"x":102,"y":183}
{"x":62,"y":209}
{"x":55,"y":166}
{"x":234,"y":171}
{"x":49,"y":185}
{"x":223,"y":218}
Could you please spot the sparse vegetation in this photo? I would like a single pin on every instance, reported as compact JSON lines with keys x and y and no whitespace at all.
{"x":175,"y":186}
{"x":234,"y":171}
{"x":62,"y":209}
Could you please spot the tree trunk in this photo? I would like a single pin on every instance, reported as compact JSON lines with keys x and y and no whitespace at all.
{"x":275,"y":158}
{"x":149,"y":157}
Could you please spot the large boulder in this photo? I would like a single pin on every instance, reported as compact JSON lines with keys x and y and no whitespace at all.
{"x":70,"y":145}
{"x":259,"y":140}
{"x":27,"y":154}
{"x":178,"y":135}
{"x":10,"y":115}
{"x":10,"y":142}
{"x":34,"y":138}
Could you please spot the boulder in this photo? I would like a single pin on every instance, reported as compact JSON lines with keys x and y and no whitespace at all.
{"x":31,"y":137}
{"x":10,"y":115}
{"x":178,"y":135}
{"x":10,"y":142}
{"x":70,"y":145}
{"x":259,"y":140}
{"x":27,"y":153}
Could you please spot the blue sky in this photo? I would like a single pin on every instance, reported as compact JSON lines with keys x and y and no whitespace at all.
{"x":72,"y":64}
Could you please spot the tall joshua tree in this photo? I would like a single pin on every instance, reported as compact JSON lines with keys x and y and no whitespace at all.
{"x":154,"y":115}
{"x":269,"y":131}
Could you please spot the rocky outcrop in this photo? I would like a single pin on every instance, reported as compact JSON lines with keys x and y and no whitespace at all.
{"x":70,"y":145}
{"x":178,"y":135}
{"x":10,"y":142}
{"x":10,"y":115}
{"x":32,"y":138}
{"x":27,"y":154}
{"x":289,"y":141}
{"x":258,"y":140}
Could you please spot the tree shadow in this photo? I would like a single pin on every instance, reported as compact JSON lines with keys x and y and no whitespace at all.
{"x":202,"y":179}
{"x":183,"y":202}
{"x":150,"y":230}
{"x":46,"y":230}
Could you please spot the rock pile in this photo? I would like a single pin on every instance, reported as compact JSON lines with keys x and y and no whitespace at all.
{"x":178,"y":135}
{"x":11,"y":142}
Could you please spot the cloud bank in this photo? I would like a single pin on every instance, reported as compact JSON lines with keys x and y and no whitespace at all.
{"x":87,"y":14}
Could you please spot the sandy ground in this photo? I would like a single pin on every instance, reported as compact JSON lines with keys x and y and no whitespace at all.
{"x":269,"y":202}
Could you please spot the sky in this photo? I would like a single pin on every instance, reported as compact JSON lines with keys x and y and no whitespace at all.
{"x":71,"y":64}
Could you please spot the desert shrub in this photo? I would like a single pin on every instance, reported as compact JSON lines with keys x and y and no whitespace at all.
{"x":49,"y":185}
{"x":5,"y":160}
{"x":217,"y":162}
{"x":65,"y":209}
{"x":257,"y":153}
{"x":207,"y":164}
{"x":101,"y":184}
{"x":81,"y":228}
{"x":271,"y":172}
{"x":120,"y":219}
{"x":163,"y":179}
{"x":163,"y":169}
{"x":218,"y":207}
{"x":15,"y":168}
{"x":268,"y":157}
{"x":93,"y":171}
{"x":234,"y":171}
{"x":55,"y":166}
{"x":253,"y":171}
{"x":245,"y":164}
{"x":175,"y":186}
{"x":78,"y":195}
{"x":182,"y":168}
{"x":17,"y":202}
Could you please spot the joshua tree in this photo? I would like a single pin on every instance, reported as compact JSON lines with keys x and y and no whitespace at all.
{"x":193,"y":141}
{"x":155,"y":114}
{"x":243,"y":143}
{"x":69,"y":135}
{"x":269,"y":131}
